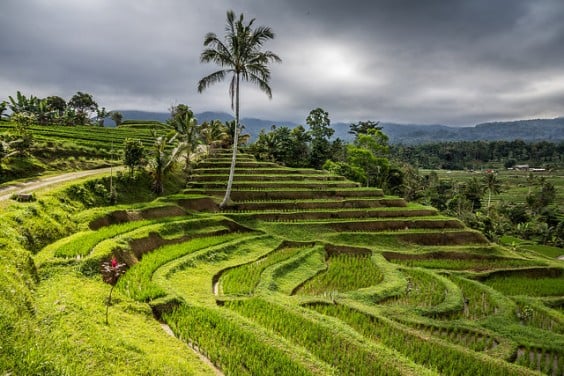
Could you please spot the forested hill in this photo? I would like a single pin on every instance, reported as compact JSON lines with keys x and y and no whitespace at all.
{"x":526,"y":130}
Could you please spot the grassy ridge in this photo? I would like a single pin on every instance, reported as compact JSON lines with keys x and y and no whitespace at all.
{"x":367,"y":303}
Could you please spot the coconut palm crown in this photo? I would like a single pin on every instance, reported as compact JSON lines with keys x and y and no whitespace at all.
{"x":240,"y":55}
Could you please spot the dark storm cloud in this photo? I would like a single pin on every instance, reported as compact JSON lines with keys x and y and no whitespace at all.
{"x":455,"y":61}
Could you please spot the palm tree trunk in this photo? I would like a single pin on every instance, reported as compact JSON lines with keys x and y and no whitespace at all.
{"x":489,"y":198}
{"x":227,"y":197}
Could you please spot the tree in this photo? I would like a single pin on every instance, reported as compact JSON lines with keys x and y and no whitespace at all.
{"x":541,"y":199}
{"x":23,"y":137}
{"x":320,"y":131}
{"x":84,"y":105}
{"x":213,"y":134}
{"x":42,"y":114}
{"x":187,"y":132}
{"x":3,"y":108}
{"x":117,"y":117}
{"x":300,"y":154}
{"x":369,"y":152}
{"x":413,"y":183}
{"x":56,"y":105}
{"x":101,"y":115}
{"x":231,"y":129}
{"x":364,"y":127}
{"x":266,"y":145}
{"x":493,"y":186}
{"x":3,"y":153}
{"x":133,"y":154}
{"x":240,"y":55}
{"x":473,"y":191}
{"x":161,"y":162}
{"x":21,"y":103}
{"x":283,"y":145}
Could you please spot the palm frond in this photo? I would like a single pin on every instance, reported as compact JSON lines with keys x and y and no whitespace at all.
{"x":211,"y":79}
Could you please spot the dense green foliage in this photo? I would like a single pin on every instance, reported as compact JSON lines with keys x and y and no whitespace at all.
{"x":265,"y":302}
{"x":481,"y":154}
{"x":310,"y":274}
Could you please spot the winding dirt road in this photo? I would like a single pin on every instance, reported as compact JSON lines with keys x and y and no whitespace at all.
{"x":42,"y":182}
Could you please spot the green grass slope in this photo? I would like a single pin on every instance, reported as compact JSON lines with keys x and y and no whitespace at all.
{"x":308,"y":277}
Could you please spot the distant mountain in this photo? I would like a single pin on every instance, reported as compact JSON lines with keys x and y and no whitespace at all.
{"x":526,"y":130}
{"x":144,"y":115}
{"x":252,"y":125}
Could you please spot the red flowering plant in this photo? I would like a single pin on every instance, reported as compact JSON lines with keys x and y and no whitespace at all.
{"x":111,"y":271}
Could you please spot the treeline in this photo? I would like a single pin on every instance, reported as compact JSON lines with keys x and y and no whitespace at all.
{"x":370,"y":160}
{"x":81,"y":109}
{"x":476,"y":154}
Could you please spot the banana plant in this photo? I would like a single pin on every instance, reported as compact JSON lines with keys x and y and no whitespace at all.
{"x":23,"y":104}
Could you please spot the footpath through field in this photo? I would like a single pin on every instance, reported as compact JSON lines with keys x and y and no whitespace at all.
{"x":41,"y":182}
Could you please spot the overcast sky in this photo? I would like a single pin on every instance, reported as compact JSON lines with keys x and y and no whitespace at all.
{"x":454,"y":62}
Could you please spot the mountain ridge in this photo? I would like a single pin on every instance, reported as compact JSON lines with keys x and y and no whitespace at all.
{"x":526,"y":130}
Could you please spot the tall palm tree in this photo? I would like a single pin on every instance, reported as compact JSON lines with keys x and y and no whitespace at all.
{"x":493,"y":186}
{"x":239,"y":55}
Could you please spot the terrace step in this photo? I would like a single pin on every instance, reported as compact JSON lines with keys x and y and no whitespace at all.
{"x":425,"y":237}
{"x":290,"y":194}
{"x":316,"y":185}
{"x":254,"y":171}
{"x":445,"y":238}
{"x":227,"y":159}
{"x":243,"y":164}
{"x":263,"y":177}
{"x":388,"y":224}
{"x":356,"y":203}
{"x":276,"y":216}
{"x":224,"y":153}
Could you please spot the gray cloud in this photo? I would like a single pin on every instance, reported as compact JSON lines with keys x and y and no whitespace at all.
{"x":457,"y":62}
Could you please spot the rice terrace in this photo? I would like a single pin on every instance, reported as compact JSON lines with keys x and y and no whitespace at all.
{"x":322,"y":278}
{"x":194,"y":248}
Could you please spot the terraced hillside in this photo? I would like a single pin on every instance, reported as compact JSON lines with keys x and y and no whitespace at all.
{"x":307,"y":273}
{"x":288,"y":200}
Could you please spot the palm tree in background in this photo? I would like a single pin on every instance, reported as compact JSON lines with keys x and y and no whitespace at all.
{"x":213,"y":133}
{"x":493,"y":186}
{"x":187,"y":134}
{"x":240,"y":55}
{"x":233,"y":128}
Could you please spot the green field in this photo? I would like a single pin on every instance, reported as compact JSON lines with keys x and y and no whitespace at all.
{"x":315,"y":278}
{"x":515,"y":184}
{"x":68,"y":148}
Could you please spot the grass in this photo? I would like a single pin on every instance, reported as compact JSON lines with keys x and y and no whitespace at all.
{"x":544,"y":250}
{"x":522,"y":285}
{"x":138,"y":284}
{"x":476,"y":264}
{"x":76,"y":340}
{"x":343,"y":353}
{"x":243,"y":279}
{"x":344,"y":273}
{"x":435,"y":355}
{"x":232,"y":346}
{"x":515,"y":186}
{"x":292,"y":298}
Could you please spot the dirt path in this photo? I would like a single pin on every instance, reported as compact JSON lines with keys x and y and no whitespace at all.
{"x":41,"y":182}
{"x":194,"y":348}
